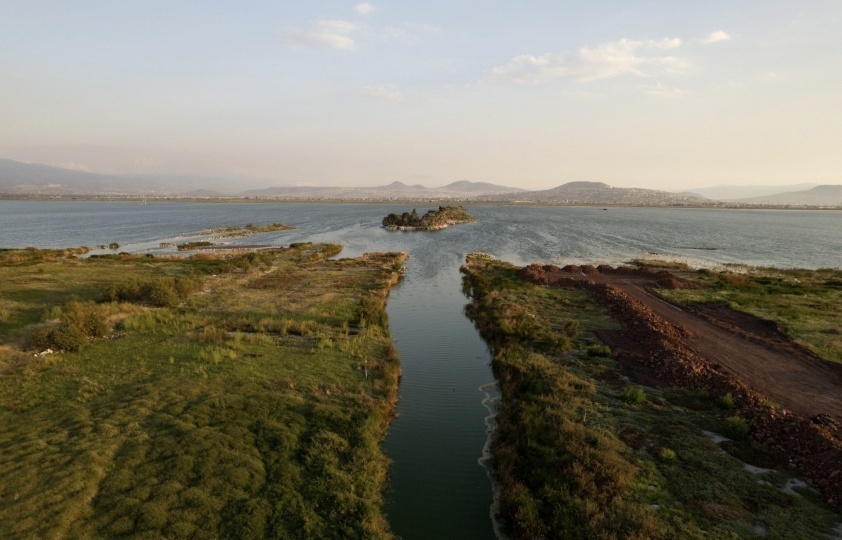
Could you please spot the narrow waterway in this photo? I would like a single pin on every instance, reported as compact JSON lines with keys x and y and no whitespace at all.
{"x":439,"y":482}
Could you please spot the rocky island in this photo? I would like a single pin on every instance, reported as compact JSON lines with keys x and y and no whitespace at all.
{"x":433,"y":220}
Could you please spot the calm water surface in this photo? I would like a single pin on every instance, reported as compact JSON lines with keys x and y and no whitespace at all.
{"x":439,"y":488}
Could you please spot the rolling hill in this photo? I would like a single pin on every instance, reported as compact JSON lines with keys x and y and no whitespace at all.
{"x":824,"y":195}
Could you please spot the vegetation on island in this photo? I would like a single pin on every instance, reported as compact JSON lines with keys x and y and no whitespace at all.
{"x":581,"y":452}
{"x":237,"y":232}
{"x":240,"y":396}
{"x":226,"y":232}
{"x":432,"y":220}
{"x":186,"y":246}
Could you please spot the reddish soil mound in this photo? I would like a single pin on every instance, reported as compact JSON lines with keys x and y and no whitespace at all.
{"x":723,"y":351}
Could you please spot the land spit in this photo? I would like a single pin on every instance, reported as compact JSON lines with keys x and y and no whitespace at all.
{"x":725,"y":352}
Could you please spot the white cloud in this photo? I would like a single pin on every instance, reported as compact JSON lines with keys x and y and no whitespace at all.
{"x":715,"y":37}
{"x":666,"y":43}
{"x":663,"y":91}
{"x":364,"y":9}
{"x":330,"y":34}
{"x":612,"y":59}
{"x":385,"y":92}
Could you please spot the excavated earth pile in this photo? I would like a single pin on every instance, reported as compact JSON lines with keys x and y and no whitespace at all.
{"x":724,"y":352}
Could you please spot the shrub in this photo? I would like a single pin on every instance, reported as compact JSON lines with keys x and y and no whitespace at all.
{"x":726,"y":401}
{"x":77,"y":322}
{"x":61,"y":338}
{"x":735,"y":428}
{"x":86,"y":317}
{"x":666,"y":454}
{"x":598,"y":351}
{"x":162,"y":293}
{"x":187,"y":285}
{"x":634,"y":395}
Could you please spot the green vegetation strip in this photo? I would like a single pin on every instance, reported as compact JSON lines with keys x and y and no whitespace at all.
{"x":580,"y":452}
{"x":240,"y":397}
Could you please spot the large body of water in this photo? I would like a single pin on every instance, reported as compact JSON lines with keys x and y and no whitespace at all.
{"x":439,"y":486}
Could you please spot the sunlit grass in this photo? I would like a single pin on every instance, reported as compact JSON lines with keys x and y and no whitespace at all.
{"x":808,"y":304}
{"x":240,"y":412}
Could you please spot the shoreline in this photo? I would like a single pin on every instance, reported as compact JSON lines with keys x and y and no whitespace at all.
{"x":244,"y":200}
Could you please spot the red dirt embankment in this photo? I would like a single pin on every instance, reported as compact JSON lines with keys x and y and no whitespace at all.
{"x":723,"y":351}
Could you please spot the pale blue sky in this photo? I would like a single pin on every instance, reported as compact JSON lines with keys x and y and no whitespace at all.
{"x":658,"y":94}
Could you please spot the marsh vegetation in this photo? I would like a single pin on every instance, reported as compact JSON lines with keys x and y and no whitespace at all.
{"x":242,"y":396}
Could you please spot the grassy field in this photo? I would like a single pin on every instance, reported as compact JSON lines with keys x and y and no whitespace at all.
{"x":240,"y":397}
{"x":581,"y":452}
{"x":807,"y":303}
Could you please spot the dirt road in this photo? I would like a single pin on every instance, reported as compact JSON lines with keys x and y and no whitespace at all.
{"x":751,"y":350}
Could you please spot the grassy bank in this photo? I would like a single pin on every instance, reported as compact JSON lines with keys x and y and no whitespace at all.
{"x":806,"y":303}
{"x":581,"y":452}
{"x":241,"y":397}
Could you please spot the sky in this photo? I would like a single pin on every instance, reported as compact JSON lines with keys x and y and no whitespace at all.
{"x":533,"y":94}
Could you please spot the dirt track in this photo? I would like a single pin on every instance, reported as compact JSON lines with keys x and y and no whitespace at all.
{"x":754,"y":352}
{"x":725,"y":352}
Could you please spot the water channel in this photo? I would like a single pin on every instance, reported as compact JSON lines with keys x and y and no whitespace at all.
{"x":438,"y":487}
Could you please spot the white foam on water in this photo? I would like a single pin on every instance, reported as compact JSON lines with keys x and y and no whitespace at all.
{"x":489,"y":401}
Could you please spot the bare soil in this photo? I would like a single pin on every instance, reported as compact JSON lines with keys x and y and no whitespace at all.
{"x":724,"y":351}
{"x":758,"y":352}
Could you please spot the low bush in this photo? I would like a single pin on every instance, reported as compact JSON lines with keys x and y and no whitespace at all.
{"x":666,"y":454}
{"x":598,"y":351}
{"x":734,"y":427}
{"x":726,"y":401}
{"x":78,"y":322}
{"x":160,"y":292}
{"x":634,"y":395}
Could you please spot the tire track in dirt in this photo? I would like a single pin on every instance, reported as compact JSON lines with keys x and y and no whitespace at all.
{"x":723,"y":351}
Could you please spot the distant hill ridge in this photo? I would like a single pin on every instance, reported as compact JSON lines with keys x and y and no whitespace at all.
{"x":601,"y":193}
{"x":18,"y":178}
{"x":734,"y":193}
{"x":35,"y":179}
{"x":822,"y":195}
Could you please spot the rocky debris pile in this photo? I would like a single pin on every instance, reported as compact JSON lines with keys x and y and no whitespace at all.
{"x":661,"y":278}
{"x":811,"y":444}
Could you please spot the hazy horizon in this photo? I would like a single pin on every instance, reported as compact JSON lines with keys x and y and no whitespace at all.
{"x":662,"y":96}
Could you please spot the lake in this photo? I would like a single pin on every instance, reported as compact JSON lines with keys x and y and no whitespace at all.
{"x":439,"y":483}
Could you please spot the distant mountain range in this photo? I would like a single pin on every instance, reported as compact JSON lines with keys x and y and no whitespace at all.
{"x":733,"y":193}
{"x":35,"y":179}
{"x":32,"y":179}
{"x":826,"y":195}
{"x":23,"y":179}
{"x":462,"y":189}
{"x":601,"y":193}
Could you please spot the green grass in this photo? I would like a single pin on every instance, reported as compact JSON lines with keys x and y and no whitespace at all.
{"x":243,"y":411}
{"x":582,"y":453}
{"x":808,"y":304}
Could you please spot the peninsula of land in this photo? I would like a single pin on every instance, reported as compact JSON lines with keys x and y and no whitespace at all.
{"x":646,"y":401}
{"x":433,"y":220}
